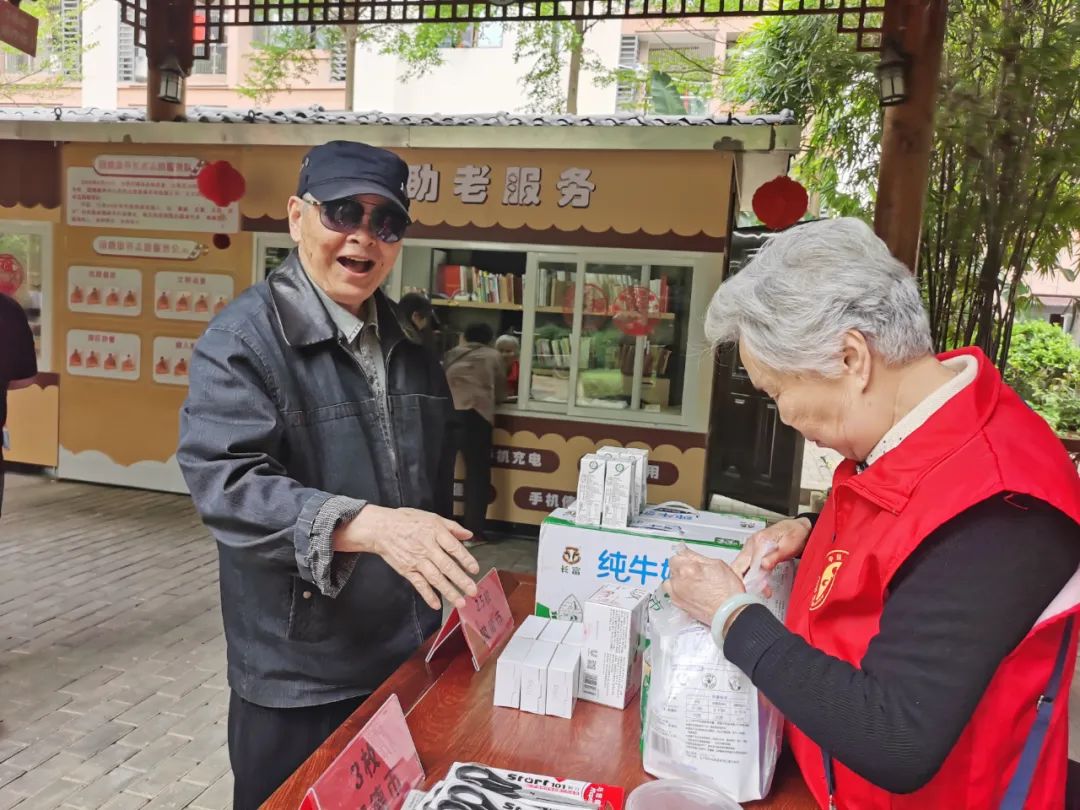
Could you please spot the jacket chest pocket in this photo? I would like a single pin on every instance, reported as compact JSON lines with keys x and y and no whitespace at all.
{"x":310,"y":613}
{"x":304,"y":417}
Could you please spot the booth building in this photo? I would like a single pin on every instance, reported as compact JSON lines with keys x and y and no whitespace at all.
{"x":597,"y":242}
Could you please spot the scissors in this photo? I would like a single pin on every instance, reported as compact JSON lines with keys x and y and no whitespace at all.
{"x":463,"y":797}
{"x":488,"y":780}
{"x":492,"y":782}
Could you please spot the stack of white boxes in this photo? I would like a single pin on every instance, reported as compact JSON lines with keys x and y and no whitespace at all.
{"x":612,"y":486}
{"x":539,"y":668}
{"x":548,"y":663}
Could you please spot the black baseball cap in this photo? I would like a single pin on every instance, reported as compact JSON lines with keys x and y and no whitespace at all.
{"x":346,"y":168}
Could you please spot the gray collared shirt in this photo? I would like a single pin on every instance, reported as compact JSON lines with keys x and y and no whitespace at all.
{"x":361,"y":337}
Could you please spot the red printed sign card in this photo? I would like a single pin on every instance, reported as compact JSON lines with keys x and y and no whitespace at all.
{"x":376,"y":770}
{"x":485,"y":620}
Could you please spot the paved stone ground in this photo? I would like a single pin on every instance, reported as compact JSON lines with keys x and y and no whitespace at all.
{"x":112,"y":658}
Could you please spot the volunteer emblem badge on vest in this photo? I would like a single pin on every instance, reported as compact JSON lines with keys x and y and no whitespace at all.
{"x":833,"y":561}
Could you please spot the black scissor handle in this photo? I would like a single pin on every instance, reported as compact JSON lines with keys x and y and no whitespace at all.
{"x":487,"y":779}
{"x":469,"y":797}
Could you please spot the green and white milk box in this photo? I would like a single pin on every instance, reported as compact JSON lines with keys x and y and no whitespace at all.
{"x":574,"y":561}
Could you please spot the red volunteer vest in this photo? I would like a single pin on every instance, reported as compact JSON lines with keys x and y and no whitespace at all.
{"x":983,"y":441}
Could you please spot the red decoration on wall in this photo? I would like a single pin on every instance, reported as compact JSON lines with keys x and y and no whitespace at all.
{"x":220,"y":183}
{"x":780,"y":203}
{"x":636,"y":311}
{"x":222,"y":241}
{"x":12,"y":274}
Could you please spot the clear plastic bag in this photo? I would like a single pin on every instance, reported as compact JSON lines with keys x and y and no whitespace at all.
{"x":757,"y":579}
{"x":702,"y":718}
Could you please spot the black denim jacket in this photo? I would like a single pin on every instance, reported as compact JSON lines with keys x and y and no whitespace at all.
{"x":278,"y":419}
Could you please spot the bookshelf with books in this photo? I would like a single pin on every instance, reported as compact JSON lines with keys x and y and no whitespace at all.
{"x":619,"y":344}
{"x":468,"y":286}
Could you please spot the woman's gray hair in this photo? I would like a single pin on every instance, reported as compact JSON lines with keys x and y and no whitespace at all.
{"x":792,"y":304}
{"x":508,"y":340}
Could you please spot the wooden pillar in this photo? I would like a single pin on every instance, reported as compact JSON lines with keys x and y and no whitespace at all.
{"x":917,"y":29}
{"x":169,"y":32}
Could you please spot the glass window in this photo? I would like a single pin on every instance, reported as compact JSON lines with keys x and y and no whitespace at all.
{"x":273,"y":256}
{"x":552,"y":349}
{"x":608,"y":346}
{"x":665,"y":309}
{"x":21,"y":277}
{"x":589,"y":337}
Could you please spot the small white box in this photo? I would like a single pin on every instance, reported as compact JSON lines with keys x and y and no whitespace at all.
{"x":589,"y":507}
{"x":575,"y":636}
{"x":618,"y":481}
{"x":534,"y":677}
{"x":531,"y":627}
{"x":562,"y":680}
{"x":641,"y":473}
{"x":611,"y":656}
{"x":508,"y":672}
{"x":556,"y":631}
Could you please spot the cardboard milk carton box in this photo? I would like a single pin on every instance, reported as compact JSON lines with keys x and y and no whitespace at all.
{"x":615,"y":619}
{"x":589,"y":505}
{"x":618,"y":483}
{"x":574,"y":561}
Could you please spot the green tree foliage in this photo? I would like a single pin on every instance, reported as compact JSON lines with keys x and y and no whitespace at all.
{"x":1004,"y":196}
{"x":1044,"y":368}
{"x":59,"y":56}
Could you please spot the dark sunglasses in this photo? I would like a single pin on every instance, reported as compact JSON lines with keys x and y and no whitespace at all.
{"x":386,"y":222}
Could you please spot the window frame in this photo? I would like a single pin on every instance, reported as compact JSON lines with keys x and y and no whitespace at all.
{"x":49,"y":307}
{"x":706,"y":269}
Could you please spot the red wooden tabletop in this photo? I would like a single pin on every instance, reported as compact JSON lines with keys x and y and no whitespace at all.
{"x":450,"y":714}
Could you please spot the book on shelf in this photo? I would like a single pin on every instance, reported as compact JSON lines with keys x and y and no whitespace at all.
{"x":655,"y":360}
{"x":555,"y":353}
{"x":459,"y":281}
{"x":555,"y":288}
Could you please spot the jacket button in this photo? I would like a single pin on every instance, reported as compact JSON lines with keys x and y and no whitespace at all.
{"x":307,"y":594}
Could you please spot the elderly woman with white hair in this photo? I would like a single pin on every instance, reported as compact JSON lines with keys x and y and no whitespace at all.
{"x":931,"y":624}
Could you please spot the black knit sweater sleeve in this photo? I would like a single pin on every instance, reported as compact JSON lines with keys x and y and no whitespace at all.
{"x":957,"y":607}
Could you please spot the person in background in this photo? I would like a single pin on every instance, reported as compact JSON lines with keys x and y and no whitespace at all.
{"x":477,"y":381}
{"x":930,"y":636}
{"x":510,"y":349}
{"x":18,"y":361}
{"x":314,"y":442}
{"x":417,"y":309}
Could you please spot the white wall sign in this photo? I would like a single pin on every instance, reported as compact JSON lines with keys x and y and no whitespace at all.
{"x":113,"y":355}
{"x":104,"y":290}
{"x":191,"y":296}
{"x":172,"y":358}
{"x":147,"y":248}
{"x":152,"y":203}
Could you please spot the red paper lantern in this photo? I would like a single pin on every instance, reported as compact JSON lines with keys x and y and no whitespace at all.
{"x":12,"y":274}
{"x":780,"y":203}
{"x":220,"y":183}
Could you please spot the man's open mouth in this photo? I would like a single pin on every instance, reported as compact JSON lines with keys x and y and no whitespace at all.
{"x":356,"y":265}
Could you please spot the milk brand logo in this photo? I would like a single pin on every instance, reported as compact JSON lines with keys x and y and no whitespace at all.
{"x":571,"y":555}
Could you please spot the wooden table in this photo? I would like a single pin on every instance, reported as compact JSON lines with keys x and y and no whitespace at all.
{"x":450,"y":714}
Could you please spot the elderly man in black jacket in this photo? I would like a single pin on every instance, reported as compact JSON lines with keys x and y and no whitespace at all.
{"x":313,"y":442}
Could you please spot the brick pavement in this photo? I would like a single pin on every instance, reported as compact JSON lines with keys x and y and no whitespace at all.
{"x":112,"y":658}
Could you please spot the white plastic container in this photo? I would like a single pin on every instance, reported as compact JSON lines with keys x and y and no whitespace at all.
{"x":677,"y":794}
